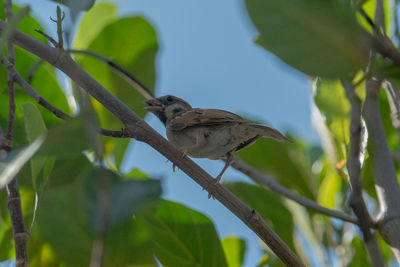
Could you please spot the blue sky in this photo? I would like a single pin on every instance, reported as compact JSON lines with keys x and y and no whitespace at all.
{"x":207,"y":56}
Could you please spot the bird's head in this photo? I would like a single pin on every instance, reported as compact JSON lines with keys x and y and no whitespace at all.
{"x":167,"y":107}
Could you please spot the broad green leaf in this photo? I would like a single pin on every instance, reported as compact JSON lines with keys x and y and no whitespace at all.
{"x":137,"y":55}
{"x":34,"y":127}
{"x":270,"y":207}
{"x":330,"y":186}
{"x":234,"y":249}
{"x":68,"y":138}
{"x":71,"y":217}
{"x":13,"y":162}
{"x":284,"y":162}
{"x":11,"y":26}
{"x":184,"y":237}
{"x":126,"y":198}
{"x":319,"y":38}
{"x":332,"y":102}
{"x":90,"y":26}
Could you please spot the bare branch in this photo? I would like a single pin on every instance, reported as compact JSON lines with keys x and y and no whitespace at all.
{"x":141,"y":131}
{"x":10,"y":83}
{"x":13,"y":198}
{"x":274,"y":186}
{"x":356,"y":200}
{"x":386,"y":184}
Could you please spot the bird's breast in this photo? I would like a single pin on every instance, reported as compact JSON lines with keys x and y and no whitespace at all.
{"x":212,"y":142}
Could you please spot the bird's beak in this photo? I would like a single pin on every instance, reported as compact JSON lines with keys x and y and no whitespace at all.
{"x":154,"y":105}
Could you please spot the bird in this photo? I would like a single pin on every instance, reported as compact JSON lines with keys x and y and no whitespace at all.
{"x":207,"y":133}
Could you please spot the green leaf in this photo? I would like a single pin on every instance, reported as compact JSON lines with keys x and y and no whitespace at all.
{"x":71,"y":217}
{"x":137,"y":55}
{"x":11,"y":26}
{"x":13,"y":162}
{"x":369,"y":8}
{"x":69,"y":138}
{"x":34,"y":127}
{"x":269,"y":206}
{"x":285,"y":162}
{"x":330,"y":186}
{"x":319,"y":38}
{"x":332,"y":102}
{"x":126,"y":198}
{"x":90,"y":26}
{"x":234,"y":249}
{"x":359,"y":258}
{"x":184,"y":237}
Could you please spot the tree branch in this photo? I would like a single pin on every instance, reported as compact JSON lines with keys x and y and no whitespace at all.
{"x":141,"y":131}
{"x":20,"y":233}
{"x":274,"y":186}
{"x":356,"y":200}
{"x":386,"y":184}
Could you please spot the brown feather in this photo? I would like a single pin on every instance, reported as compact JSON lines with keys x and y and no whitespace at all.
{"x":200,"y":117}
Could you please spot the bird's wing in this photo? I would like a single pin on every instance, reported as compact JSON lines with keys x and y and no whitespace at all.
{"x":199,"y":117}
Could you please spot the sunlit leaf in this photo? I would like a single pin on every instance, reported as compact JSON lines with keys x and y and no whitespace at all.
{"x":330,"y":186}
{"x":184,"y":237}
{"x":320,"y":38}
{"x":332,"y":102}
{"x":137,"y":55}
{"x":90,"y":26}
{"x":234,"y":249}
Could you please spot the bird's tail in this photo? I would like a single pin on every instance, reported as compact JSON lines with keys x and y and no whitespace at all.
{"x":270,"y":132}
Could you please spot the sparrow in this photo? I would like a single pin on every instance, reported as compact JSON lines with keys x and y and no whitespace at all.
{"x":207,"y":133}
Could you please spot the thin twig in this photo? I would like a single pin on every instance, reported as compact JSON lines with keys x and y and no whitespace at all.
{"x":141,"y":131}
{"x":356,"y":200}
{"x":60,"y":18}
{"x":10,"y":83}
{"x":274,"y":186}
{"x":13,"y":198}
{"x":48,"y":37}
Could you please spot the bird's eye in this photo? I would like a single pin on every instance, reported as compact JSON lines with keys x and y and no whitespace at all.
{"x":169,"y":98}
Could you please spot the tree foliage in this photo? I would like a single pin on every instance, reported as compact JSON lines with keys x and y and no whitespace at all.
{"x":75,"y":198}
